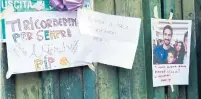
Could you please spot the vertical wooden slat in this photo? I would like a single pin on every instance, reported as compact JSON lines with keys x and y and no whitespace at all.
{"x":132,"y":83}
{"x":106,"y":76}
{"x":71,"y":85}
{"x":89,"y":83}
{"x":197,"y":23}
{"x":148,"y":7}
{"x":50,"y":79}
{"x":106,"y":82}
{"x":191,"y":11}
{"x":89,"y":76}
{"x":28,"y":86}
{"x":169,"y":5}
{"x":125,"y":8}
{"x":7,"y":86}
{"x":139,"y":89}
{"x":179,"y":15}
{"x":50,"y":85}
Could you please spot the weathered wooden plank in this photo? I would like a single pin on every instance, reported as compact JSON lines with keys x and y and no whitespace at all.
{"x":148,"y":7}
{"x":50,"y":79}
{"x":182,"y":92}
{"x":89,"y":83}
{"x":106,"y":76}
{"x":169,"y":6}
{"x":89,"y":76}
{"x":28,"y":86}
{"x":106,"y":82}
{"x":7,"y":86}
{"x":138,"y":71}
{"x":197,"y":28}
{"x":50,"y":85}
{"x":175,"y":94}
{"x":191,"y":10}
{"x":71,"y":85}
{"x":178,"y":9}
{"x":125,"y":8}
{"x":179,"y":15}
{"x":132,"y":83}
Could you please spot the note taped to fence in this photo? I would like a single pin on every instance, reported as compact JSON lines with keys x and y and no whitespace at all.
{"x":39,"y":41}
{"x":113,"y":39}
{"x":171,"y":52}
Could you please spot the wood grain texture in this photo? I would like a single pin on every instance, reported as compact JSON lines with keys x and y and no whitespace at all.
{"x":50,"y":79}
{"x":71,"y":85}
{"x":89,"y":83}
{"x":50,"y":85}
{"x":132,"y":83}
{"x":28,"y":86}
{"x":179,"y":15}
{"x":169,"y":5}
{"x":125,"y":8}
{"x":106,"y":76}
{"x":197,"y":16}
{"x":106,"y":82}
{"x":7,"y":86}
{"x":148,"y":7}
{"x":191,"y":11}
{"x":138,"y":71}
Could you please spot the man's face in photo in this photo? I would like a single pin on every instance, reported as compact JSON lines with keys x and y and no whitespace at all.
{"x":167,"y":35}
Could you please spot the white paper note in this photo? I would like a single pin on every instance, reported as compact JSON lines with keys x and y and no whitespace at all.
{"x":113,"y":39}
{"x":39,"y":41}
{"x":171,"y":52}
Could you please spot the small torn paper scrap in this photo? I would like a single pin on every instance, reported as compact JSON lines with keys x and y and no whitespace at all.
{"x":108,"y":39}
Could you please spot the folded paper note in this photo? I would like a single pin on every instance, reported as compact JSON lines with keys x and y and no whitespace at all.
{"x":39,"y":41}
{"x":107,"y":39}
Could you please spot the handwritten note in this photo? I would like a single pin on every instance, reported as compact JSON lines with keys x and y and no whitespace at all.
{"x":171,"y":54}
{"x":110,"y":27}
{"x":113,"y":39}
{"x":39,"y":41}
{"x":165,"y":74}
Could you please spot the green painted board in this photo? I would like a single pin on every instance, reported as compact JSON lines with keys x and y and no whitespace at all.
{"x":191,"y":11}
{"x":106,"y":76}
{"x":169,"y":6}
{"x":179,"y":15}
{"x":125,"y":8}
{"x":132,"y":83}
{"x":71,"y":85}
{"x":50,"y":79}
{"x":28,"y":86}
{"x":106,"y":82}
{"x":7,"y":86}
{"x":89,"y":83}
{"x":50,"y":85}
{"x":148,"y":7}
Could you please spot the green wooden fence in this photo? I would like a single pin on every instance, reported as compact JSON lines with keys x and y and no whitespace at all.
{"x":109,"y":82}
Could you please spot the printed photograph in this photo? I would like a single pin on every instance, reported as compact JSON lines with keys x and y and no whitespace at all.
{"x":171,"y":42}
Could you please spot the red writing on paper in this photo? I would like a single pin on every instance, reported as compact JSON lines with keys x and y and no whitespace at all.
{"x":165,"y":72}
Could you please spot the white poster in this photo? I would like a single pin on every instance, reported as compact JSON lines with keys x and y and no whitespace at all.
{"x":39,"y":41}
{"x":170,"y":52}
{"x":108,"y":39}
